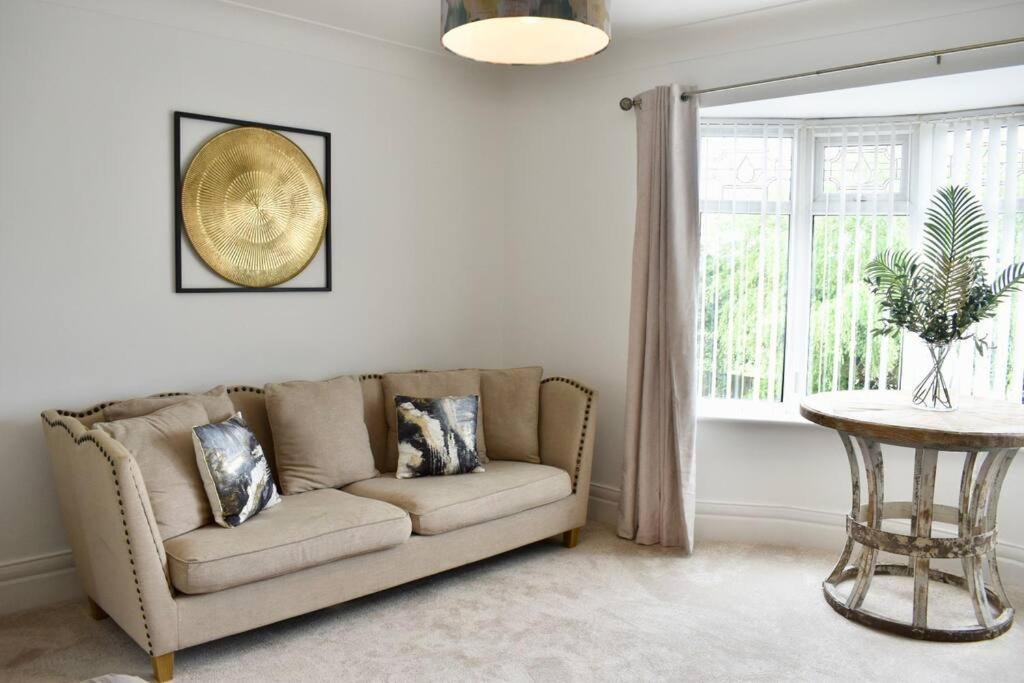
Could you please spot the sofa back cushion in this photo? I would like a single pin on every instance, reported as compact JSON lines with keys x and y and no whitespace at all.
{"x":216,"y":402}
{"x":161,"y":444}
{"x":376,"y":422}
{"x":512,"y":398}
{"x":320,"y":438}
{"x":430,"y":385}
{"x":251,"y":403}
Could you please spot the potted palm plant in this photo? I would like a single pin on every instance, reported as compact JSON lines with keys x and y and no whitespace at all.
{"x":941,"y":294}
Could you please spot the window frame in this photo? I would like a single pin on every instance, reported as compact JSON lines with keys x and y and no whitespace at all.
{"x":745,"y":129}
{"x":825,"y":204}
{"x":750,"y":128}
{"x":806,"y":200}
{"x":823,"y":201}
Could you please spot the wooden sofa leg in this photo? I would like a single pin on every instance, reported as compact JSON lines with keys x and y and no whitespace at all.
{"x":163,"y":667}
{"x":95,"y":611}
{"x":571,"y":537}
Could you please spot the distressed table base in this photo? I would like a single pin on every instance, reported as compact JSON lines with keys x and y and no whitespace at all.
{"x":1000,"y":624}
{"x":974,"y":545}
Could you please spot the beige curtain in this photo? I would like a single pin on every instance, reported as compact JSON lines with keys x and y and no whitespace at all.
{"x":659,"y":469}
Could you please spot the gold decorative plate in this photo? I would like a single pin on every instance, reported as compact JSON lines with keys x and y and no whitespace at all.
{"x":254,"y":207}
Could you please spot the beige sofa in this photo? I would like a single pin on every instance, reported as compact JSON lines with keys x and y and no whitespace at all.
{"x":314,"y":549}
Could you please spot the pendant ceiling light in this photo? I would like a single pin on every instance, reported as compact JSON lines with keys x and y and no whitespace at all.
{"x":525,"y":31}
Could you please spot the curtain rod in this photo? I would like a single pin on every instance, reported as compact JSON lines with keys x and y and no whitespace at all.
{"x":627,"y":103}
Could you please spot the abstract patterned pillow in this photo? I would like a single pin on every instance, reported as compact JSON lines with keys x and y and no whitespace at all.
{"x":235,"y":472}
{"x":436,"y":436}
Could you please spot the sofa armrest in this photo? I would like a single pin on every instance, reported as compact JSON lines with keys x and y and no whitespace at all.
{"x":567,"y":416}
{"x":114,"y":538}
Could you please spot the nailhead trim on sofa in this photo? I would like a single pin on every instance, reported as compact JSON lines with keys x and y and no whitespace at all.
{"x":241,"y":388}
{"x":120,"y":502}
{"x":85,"y":413}
{"x":586,"y":421}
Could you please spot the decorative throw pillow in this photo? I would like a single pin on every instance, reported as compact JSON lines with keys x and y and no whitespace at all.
{"x":436,"y":436}
{"x":320,"y":439}
{"x":513,"y":413}
{"x":235,"y":473}
{"x":434,"y":384}
{"x":216,"y":401}
{"x":161,"y":444}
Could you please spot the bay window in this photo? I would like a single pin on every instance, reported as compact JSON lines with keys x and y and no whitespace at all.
{"x":792,"y":210}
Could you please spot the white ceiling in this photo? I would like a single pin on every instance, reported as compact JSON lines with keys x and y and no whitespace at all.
{"x":971,"y":90}
{"x":417,"y":22}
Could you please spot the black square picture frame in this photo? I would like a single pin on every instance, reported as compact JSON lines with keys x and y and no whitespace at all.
{"x":179,"y":223}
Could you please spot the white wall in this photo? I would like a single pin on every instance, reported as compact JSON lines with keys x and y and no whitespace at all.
{"x":87,"y":307}
{"x":570,"y":204}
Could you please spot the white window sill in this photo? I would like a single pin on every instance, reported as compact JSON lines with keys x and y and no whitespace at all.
{"x":760,"y":412}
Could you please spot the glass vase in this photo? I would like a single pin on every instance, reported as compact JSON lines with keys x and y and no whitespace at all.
{"x":937,"y":391}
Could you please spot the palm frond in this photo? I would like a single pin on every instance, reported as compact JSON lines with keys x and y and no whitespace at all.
{"x":955,"y":239}
{"x":1009,"y":281}
{"x":889,"y":267}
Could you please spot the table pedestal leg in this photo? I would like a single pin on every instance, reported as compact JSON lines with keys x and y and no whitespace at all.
{"x":925,"y":462}
{"x":963,"y":527}
{"x":978,"y":515}
{"x":871,"y":453}
{"x":975,"y":518}
{"x":851,"y":457}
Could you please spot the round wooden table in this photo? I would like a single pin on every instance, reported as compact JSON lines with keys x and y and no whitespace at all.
{"x":986,"y":432}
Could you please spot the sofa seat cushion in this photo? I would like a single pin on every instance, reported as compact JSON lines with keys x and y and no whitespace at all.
{"x":303,"y":530}
{"x":440,"y":504}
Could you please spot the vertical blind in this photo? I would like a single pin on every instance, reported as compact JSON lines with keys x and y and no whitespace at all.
{"x":830,"y":195}
{"x":746,"y":194}
{"x":859,"y":208}
{"x":984,"y":153}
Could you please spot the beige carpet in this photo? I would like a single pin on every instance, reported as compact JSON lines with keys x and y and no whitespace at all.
{"x":606,"y":610}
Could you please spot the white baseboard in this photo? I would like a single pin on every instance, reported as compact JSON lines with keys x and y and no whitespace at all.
{"x":782,"y":526}
{"x":604,"y":504}
{"x":37,"y":581}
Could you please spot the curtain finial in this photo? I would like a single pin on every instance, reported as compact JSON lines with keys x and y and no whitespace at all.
{"x":627,"y":103}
